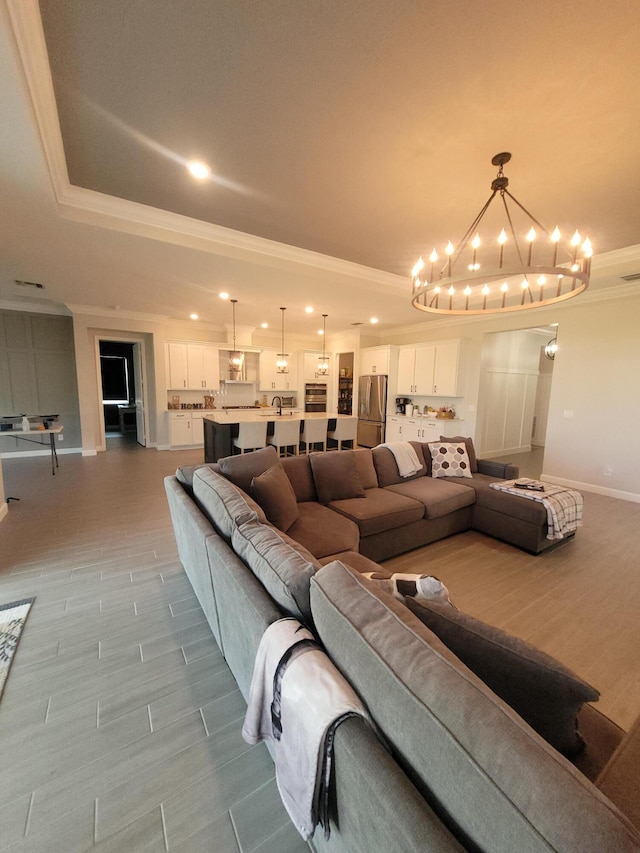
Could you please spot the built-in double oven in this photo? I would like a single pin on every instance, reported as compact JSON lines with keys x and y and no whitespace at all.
{"x":315,"y":397}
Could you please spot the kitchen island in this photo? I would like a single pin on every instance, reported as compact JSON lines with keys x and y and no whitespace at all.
{"x":221,"y":426}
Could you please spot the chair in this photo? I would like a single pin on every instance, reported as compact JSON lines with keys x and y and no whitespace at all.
{"x":286,"y":433}
{"x":346,"y":429}
{"x":314,"y":431}
{"x":251,"y":436}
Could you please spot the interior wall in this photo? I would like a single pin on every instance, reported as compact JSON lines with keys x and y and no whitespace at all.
{"x":543,"y":396}
{"x":38,"y":373}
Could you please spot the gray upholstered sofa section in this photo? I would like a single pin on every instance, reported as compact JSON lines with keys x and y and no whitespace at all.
{"x":494,"y":783}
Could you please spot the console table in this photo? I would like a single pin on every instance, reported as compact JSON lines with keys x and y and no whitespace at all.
{"x":23,"y":435}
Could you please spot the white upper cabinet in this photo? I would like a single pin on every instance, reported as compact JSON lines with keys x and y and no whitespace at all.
{"x":310,"y":363}
{"x":193,"y":367}
{"x":430,"y":370}
{"x":270,"y":379}
{"x":374,"y":360}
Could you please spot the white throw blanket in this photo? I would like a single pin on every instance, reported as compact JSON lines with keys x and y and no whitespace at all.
{"x":406,"y":457}
{"x":296,"y":700}
{"x":564,"y":506}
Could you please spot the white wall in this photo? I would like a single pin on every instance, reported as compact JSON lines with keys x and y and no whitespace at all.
{"x":597,"y":381}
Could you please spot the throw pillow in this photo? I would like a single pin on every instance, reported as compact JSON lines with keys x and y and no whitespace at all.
{"x":336,"y":476}
{"x":273,"y":491}
{"x":545,"y":693}
{"x":449,"y":459}
{"x":471,"y":452}
{"x":243,"y":468}
{"x":402,"y":584}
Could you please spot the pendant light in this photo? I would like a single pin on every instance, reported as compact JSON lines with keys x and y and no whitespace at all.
{"x":236,"y":358}
{"x":282,"y":365}
{"x":323,"y":366}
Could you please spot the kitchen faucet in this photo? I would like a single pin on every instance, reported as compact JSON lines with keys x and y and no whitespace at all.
{"x":279,"y":399}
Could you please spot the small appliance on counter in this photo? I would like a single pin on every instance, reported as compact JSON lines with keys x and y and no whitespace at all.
{"x":402,"y":403}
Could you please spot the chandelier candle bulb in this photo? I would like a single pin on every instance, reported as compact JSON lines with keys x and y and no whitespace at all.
{"x":575,"y":242}
{"x":433,"y":257}
{"x":449,"y":251}
{"x":502,"y":239}
{"x":555,"y":237}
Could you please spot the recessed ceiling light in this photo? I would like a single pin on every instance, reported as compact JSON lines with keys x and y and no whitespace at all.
{"x":320,"y":332}
{"x":193,"y":316}
{"x":373,"y":320}
{"x":264,"y":325}
{"x":199,"y":170}
{"x":308,"y":310}
{"x":223,"y":295}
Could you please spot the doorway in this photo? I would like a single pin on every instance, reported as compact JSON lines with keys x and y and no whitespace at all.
{"x":515,"y":388}
{"x":122,"y":392}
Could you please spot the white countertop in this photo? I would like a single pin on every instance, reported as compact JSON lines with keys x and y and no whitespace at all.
{"x":244,"y":416}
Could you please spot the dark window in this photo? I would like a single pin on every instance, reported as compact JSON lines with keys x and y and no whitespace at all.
{"x":115,"y":379}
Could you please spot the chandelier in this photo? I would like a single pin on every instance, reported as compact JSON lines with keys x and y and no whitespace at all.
{"x":323,"y":364}
{"x":282,"y":365}
{"x":236,"y":358}
{"x":509,"y":275}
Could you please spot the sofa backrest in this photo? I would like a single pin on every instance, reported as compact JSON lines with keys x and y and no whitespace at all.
{"x":222,"y":502}
{"x":493,"y":781}
{"x":387,"y":468}
{"x":298,"y":470}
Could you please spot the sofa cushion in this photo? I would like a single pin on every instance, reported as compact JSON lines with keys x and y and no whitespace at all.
{"x":184,"y":475}
{"x":336,"y":476}
{"x":282,"y":570}
{"x":356,"y":561}
{"x":323,"y":531}
{"x":496,"y":784}
{"x":387,"y":469}
{"x":449,"y":459}
{"x":506,"y":504}
{"x":544,"y":692}
{"x":243,"y":468}
{"x":366,"y":468}
{"x":471,"y":452}
{"x":273,"y":491}
{"x":222,"y":502}
{"x":439,"y":497}
{"x":298,"y":470}
{"x":379,"y":510}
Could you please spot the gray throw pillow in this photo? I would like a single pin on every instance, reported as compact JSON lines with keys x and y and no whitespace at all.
{"x":336,"y":475}
{"x":243,"y":468}
{"x":274,"y":492}
{"x":545,"y":693}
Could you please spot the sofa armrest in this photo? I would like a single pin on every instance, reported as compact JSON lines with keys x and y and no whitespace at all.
{"x":620,"y":779}
{"x":500,"y":470}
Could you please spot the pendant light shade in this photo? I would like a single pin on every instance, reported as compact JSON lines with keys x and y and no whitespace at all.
{"x":236,"y":358}
{"x":323,"y":365}
{"x":282,"y":365}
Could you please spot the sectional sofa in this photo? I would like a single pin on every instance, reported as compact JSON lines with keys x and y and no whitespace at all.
{"x":451,"y":765}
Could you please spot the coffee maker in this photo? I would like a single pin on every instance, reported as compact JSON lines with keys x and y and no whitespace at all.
{"x":401,"y":405}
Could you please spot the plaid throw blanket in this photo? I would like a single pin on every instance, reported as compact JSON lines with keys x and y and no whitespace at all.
{"x":564,"y":506}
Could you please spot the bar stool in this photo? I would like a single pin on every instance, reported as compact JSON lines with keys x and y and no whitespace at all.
{"x":314,"y":432}
{"x":346,"y":429}
{"x":285,"y":434}
{"x":251,"y":436}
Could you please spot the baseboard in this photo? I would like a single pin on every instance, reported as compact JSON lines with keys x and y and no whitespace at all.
{"x":93,"y":452}
{"x":18,"y":454}
{"x":591,"y":487}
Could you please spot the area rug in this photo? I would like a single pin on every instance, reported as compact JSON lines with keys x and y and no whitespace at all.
{"x":12,"y":619}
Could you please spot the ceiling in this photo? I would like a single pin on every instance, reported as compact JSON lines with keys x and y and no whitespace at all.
{"x":345,"y":139}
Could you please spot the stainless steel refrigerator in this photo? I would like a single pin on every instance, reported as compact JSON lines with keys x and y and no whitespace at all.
{"x":372,"y":407}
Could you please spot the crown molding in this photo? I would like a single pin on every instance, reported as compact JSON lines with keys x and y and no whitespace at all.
{"x":36,"y":308}
{"x":115,"y":313}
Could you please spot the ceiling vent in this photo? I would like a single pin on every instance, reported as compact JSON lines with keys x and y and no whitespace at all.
{"x":635,"y":276}
{"x":356,"y":324}
{"x":35,"y":284}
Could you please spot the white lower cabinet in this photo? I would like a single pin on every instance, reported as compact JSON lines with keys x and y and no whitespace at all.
{"x":185,"y":429}
{"x":412,"y":429}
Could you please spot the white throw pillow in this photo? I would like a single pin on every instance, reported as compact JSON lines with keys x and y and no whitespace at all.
{"x":449,"y":459}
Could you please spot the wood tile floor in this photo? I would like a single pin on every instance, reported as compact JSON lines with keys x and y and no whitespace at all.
{"x":119,"y":726}
{"x":120,"y":722}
